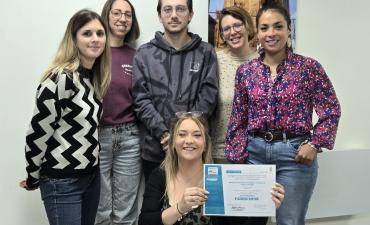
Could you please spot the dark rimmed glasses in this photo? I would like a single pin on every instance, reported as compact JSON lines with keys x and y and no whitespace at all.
{"x":179,"y":9}
{"x":117,"y":14}
{"x":237,"y":27}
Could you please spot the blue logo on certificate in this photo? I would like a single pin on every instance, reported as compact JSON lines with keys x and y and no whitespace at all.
{"x":213,"y":183}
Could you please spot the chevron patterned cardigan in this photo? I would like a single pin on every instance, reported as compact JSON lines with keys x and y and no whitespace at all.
{"x":62,"y":139}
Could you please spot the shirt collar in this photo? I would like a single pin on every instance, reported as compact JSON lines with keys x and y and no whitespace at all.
{"x":289,"y":56}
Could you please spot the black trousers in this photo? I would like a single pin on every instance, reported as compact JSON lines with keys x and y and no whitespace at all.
{"x":148,"y":167}
{"x":239,"y":220}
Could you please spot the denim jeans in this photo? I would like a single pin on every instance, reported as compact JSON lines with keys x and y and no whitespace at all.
{"x":71,"y":201}
{"x":298,"y":179}
{"x":120,"y":170}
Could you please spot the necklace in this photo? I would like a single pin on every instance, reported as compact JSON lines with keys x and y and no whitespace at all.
{"x":273,"y":76}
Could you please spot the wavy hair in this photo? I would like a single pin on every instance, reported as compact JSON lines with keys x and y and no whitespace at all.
{"x":67,"y":58}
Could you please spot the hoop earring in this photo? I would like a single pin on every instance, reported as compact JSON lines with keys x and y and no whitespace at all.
{"x":289,"y":42}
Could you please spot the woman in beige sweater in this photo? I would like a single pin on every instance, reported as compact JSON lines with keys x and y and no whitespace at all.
{"x":236,"y":30}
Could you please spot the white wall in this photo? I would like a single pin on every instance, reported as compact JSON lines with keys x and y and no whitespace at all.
{"x":335,"y":32}
{"x":30,"y":34}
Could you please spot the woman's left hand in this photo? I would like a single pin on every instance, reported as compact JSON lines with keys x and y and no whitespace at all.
{"x":278,"y":194}
{"x":306,"y":154}
{"x":23,"y":184}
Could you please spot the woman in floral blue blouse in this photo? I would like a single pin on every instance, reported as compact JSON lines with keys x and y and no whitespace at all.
{"x":271,"y":118}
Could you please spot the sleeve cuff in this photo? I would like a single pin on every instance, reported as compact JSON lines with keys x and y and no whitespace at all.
{"x":32,"y":183}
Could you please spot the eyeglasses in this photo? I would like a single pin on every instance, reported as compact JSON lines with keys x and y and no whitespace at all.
{"x":237,"y":27}
{"x":117,"y":14}
{"x":180,"y":10}
{"x":184,"y":114}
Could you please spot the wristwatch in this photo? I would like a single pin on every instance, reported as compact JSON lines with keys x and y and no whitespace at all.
{"x":318,"y":149}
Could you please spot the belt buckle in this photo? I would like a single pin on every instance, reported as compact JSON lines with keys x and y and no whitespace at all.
{"x":269,"y":136}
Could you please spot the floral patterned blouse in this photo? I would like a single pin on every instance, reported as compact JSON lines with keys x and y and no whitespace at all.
{"x":284,"y":104}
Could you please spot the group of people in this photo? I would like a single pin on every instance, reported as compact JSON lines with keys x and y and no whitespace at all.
{"x":106,"y":113}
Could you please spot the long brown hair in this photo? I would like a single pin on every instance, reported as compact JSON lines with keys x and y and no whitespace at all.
{"x":134,"y":32}
{"x":67,"y":58}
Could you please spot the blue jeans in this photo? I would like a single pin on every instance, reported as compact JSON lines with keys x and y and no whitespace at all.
{"x":298,"y":179}
{"x":71,"y":201}
{"x":120,"y":170}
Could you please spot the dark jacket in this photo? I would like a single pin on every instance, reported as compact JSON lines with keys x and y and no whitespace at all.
{"x":166,"y":81}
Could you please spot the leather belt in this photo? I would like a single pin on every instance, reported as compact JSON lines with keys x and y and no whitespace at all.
{"x":275,"y":135}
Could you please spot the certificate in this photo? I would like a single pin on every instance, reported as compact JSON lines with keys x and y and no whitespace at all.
{"x":239,"y":190}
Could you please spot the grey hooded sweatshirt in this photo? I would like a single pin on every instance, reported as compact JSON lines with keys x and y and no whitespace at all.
{"x":167,"y":81}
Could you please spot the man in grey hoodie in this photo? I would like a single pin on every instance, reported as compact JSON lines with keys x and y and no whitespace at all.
{"x":176,"y":71}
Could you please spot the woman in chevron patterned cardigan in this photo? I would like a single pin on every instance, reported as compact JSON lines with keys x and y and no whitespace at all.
{"x":62,"y":141}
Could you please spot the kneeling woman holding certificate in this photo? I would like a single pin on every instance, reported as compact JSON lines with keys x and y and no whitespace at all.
{"x":174,"y":193}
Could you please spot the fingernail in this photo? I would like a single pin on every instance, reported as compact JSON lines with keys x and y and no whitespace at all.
{"x":205,"y":191}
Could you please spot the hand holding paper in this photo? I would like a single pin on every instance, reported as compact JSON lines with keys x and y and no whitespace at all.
{"x":241,"y":190}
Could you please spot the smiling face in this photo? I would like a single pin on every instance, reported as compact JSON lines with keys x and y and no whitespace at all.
{"x":175,"y":16}
{"x":90,"y":41}
{"x":120,"y":19}
{"x":272,"y":32}
{"x":234,"y":32}
{"x":189,"y":141}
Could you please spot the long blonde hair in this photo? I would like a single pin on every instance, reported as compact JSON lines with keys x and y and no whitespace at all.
{"x":170,"y":163}
{"x":67,"y":58}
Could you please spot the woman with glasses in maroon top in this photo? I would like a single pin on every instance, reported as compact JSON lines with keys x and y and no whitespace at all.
{"x":120,"y":162}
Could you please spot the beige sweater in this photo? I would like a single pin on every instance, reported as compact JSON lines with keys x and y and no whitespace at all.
{"x":227,"y":66}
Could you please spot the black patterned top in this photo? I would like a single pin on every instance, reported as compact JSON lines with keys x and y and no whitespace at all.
{"x":193,"y":217}
{"x":62,"y":139}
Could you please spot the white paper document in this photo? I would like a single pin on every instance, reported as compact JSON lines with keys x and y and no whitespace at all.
{"x":239,"y":190}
